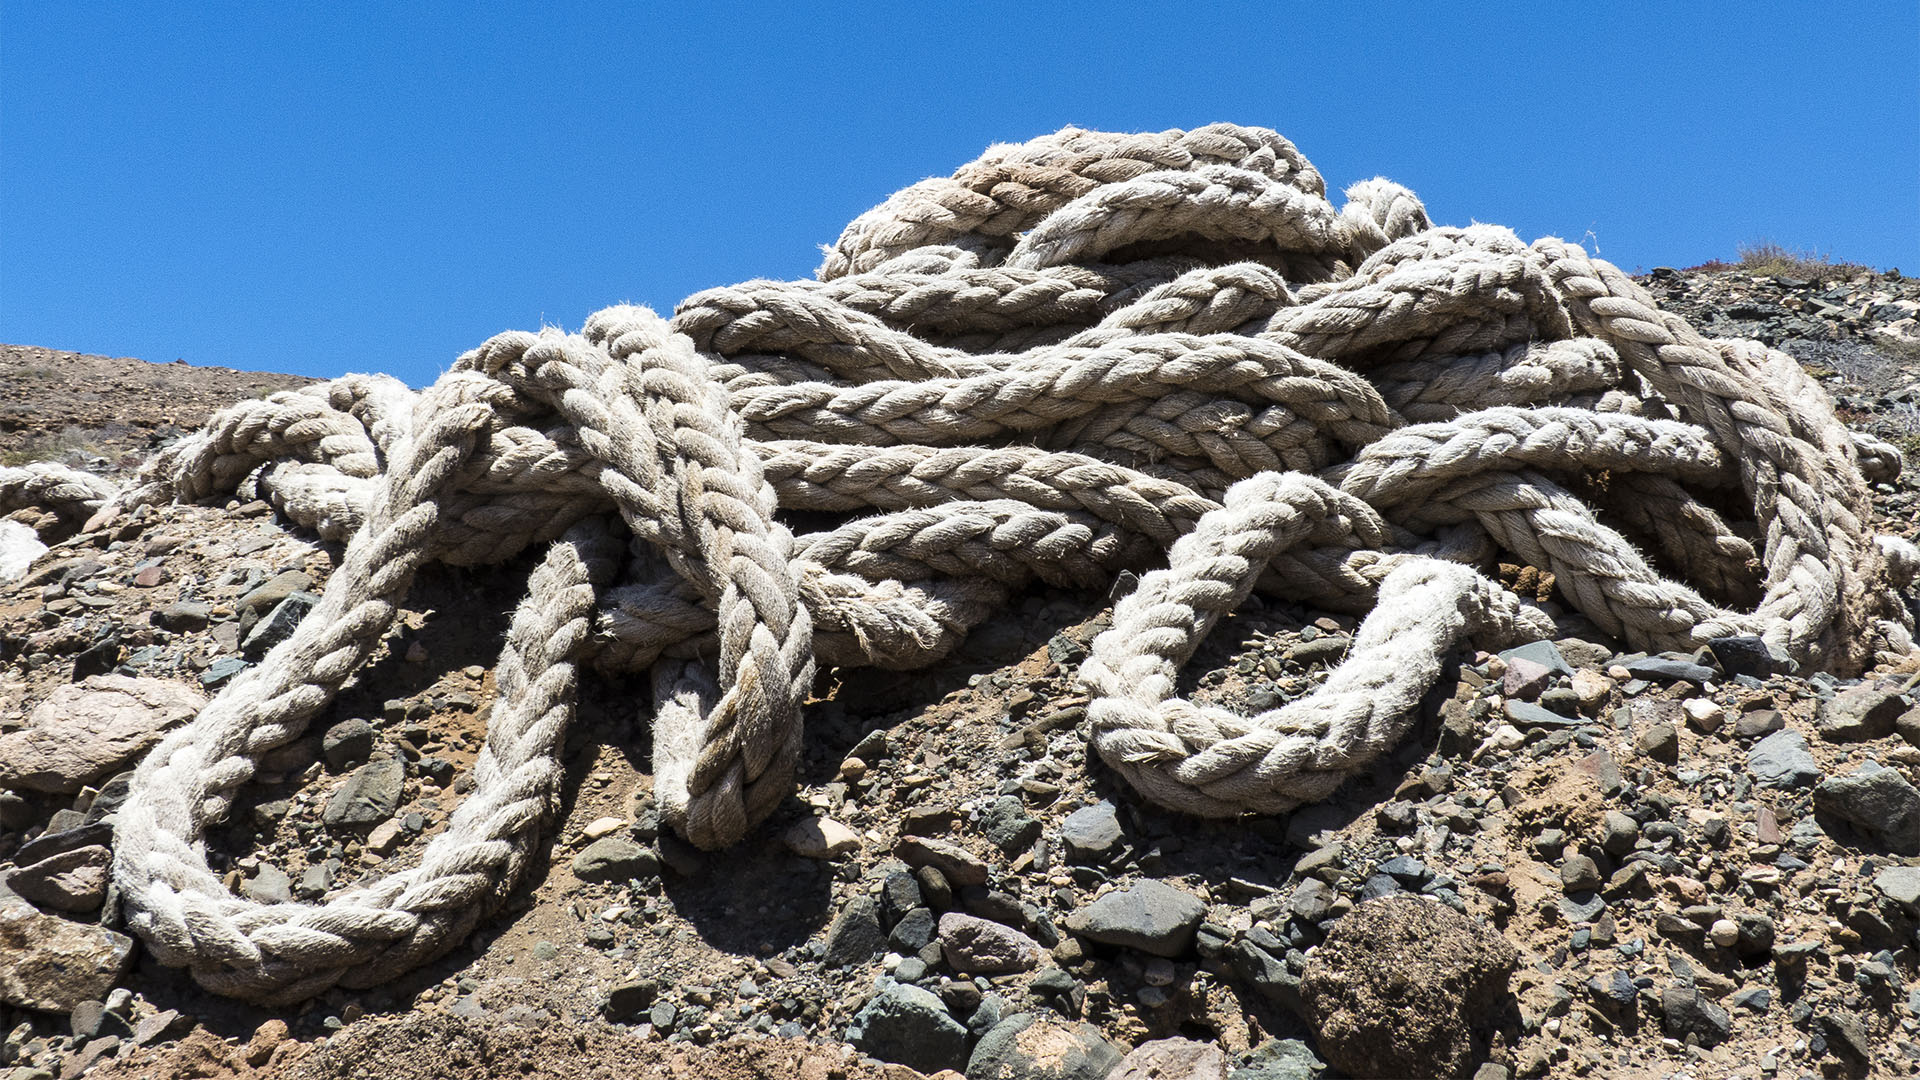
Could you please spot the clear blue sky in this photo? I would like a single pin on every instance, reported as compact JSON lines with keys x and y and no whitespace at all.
{"x":330,"y":187}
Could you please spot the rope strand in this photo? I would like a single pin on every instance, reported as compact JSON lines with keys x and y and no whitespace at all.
{"x":1090,"y":352}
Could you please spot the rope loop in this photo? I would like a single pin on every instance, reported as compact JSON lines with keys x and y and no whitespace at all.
{"x":1092,"y":352}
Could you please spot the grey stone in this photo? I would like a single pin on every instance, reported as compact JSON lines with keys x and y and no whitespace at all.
{"x":1878,"y":801}
{"x":1660,"y":741}
{"x":1616,"y":990}
{"x":1172,"y":1059}
{"x":615,"y":858}
{"x":899,"y":894}
{"x":935,"y":887}
{"x":1782,"y":760}
{"x":99,"y":658}
{"x":278,"y":625}
{"x":314,"y":882}
{"x":84,"y":1020}
{"x":1327,"y":649}
{"x":50,"y":963}
{"x":976,"y":946}
{"x":1311,"y":900}
{"x":1054,"y":982}
{"x":89,"y":1055}
{"x":152,"y":1027}
{"x":913,"y":932}
{"x":72,"y":880}
{"x":1579,"y":874}
{"x":855,"y":936}
{"x":1583,"y":655}
{"x":275,"y":589}
{"x":221,"y":670}
{"x":1859,"y":714}
{"x":63,"y":837}
{"x":111,"y":797}
{"x":1407,"y":870}
{"x":1753,"y":999}
{"x":627,"y":1000}
{"x":986,"y":1014}
{"x":440,"y":771}
{"x":1582,"y":907}
{"x":909,"y":1026}
{"x":1752,"y":725}
{"x":1563,"y":700}
{"x":184,"y":617}
{"x":347,"y":743}
{"x":1008,"y":825}
{"x":1619,"y":833}
{"x":1748,"y":656}
{"x":1154,"y":917}
{"x":1907,"y":724}
{"x":89,"y":729}
{"x":1378,"y":885}
{"x":1684,"y":1011}
{"x":1544,"y":653}
{"x":1092,"y":833}
{"x":369,"y":796}
{"x":1660,"y":669}
{"x":1846,"y":1036}
{"x":1900,"y":884}
{"x":1279,"y":1059}
{"x":959,"y":866}
{"x":1525,"y":714}
{"x":269,"y":885}
{"x":872,"y":746}
{"x":1025,"y":1047}
{"x":1756,"y":933}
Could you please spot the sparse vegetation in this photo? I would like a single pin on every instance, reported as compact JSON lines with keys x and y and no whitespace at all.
{"x":1901,"y":350}
{"x":70,"y":441}
{"x":1903,"y":428}
{"x":1862,"y":366}
{"x":1767,"y":259}
{"x":1764,"y":258}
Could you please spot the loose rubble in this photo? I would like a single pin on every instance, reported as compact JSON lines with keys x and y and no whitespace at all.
{"x":1586,"y":862}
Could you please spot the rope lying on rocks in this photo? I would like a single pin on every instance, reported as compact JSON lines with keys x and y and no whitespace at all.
{"x":1082,"y":354}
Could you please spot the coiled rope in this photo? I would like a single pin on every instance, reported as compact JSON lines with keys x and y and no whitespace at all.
{"x":1081,"y":354}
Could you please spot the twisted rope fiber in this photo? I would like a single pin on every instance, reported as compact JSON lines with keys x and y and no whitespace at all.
{"x":1079,"y":355}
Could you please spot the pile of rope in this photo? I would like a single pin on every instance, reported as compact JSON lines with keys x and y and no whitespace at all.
{"x":1078,"y":355}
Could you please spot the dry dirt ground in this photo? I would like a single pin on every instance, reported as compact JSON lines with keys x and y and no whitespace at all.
{"x":53,"y":403}
{"x":748,"y":962}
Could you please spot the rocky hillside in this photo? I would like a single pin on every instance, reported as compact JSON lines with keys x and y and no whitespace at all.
{"x":1588,"y":862}
{"x":106,"y":412}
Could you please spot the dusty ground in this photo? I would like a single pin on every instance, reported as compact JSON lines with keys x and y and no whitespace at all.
{"x":734,"y":944}
{"x":53,"y":403}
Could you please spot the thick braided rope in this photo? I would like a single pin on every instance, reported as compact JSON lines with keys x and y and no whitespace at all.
{"x":1011,"y":188}
{"x":1215,"y":763}
{"x":174,"y":901}
{"x":1823,"y":580}
{"x":1074,"y":355}
{"x":70,"y":494}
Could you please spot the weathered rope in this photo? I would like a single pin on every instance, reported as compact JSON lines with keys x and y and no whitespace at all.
{"x":1082,"y":354}
{"x":69,"y":494}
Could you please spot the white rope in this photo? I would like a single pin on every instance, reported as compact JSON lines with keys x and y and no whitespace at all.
{"x":1087,"y":353}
